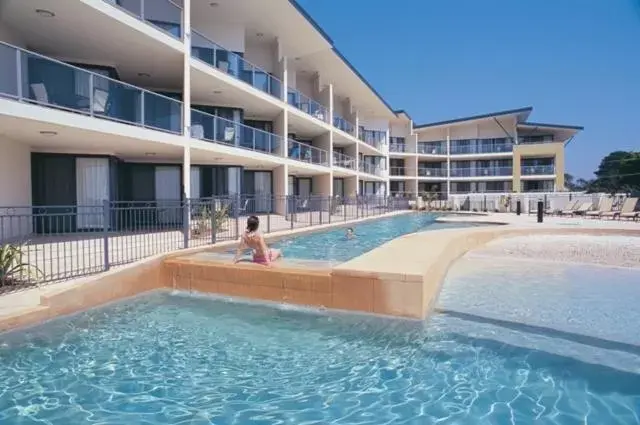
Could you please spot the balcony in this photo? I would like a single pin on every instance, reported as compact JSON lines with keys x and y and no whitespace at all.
{"x":307,"y":153}
{"x":482,"y":172}
{"x":209,"y":52}
{"x":432,"y":172}
{"x":532,"y":140}
{"x":397,"y":147}
{"x":32,"y":78}
{"x":374,"y":138}
{"x":307,"y":105}
{"x":432,"y":149}
{"x":537,"y":170}
{"x":162,"y":14}
{"x":480,"y":149}
{"x":398,"y":171}
{"x":212,"y":128}
{"x":344,"y":125}
{"x":344,"y":161}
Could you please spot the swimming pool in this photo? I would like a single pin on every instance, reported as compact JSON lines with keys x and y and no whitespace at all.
{"x":176,"y":359}
{"x":332,"y":245}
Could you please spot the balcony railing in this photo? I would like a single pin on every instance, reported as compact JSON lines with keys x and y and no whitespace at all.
{"x":432,"y":172}
{"x":532,"y":140}
{"x":397,"y":147}
{"x":479,"y":149}
{"x":482,"y":172}
{"x":211,"y":53}
{"x":163,"y":14}
{"x":33,"y":78}
{"x":373,"y":138}
{"x":307,"y":153}
{"x":221,"y":130}
{"x":432,"y":149}
{"x":369,"y":168}
{"x":537,"y":170}
{"x":344,"y":161}
{"x":307,"y":105}
{"x":344,"y":125}
{"x":397,"y":171}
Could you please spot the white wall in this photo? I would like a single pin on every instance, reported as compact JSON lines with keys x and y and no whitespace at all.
{"x":304,"y":83}
{"x":15,"y":188}
{"x":229,"y":36}
{"x":9,"y":36}
{"x":379,"y":124}
{"x":261,"y":55}
{"x":432,"y":135}
{"x":399,"y":129}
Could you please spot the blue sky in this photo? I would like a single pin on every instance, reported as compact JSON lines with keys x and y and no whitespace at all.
{"x":575,"y":61}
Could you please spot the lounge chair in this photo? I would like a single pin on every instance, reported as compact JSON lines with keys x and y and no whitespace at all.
{"x":605,"y":206}
{"x":630,"y":212}
{"x":583,"y":209}
{"x":570,"y":208}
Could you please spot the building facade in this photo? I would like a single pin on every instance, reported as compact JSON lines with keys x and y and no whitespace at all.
{"x":158,"y":100}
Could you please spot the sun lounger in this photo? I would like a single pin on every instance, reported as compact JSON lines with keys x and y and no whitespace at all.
{"x":570,"y":208}
{"x":605,"y":206}
{"x":583,"y":209}
{"x":630,"y":211}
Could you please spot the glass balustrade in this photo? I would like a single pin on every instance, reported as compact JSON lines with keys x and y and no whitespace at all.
{"x":432,"y":172}
{"x":307,"y":153}
{"x":37,"y":79}
{"x":537,"y":170}
{"x":344,"y":125}
{"x":307,"y":105}
{"x":344,"y":161}
{"x":163,"y":14}
{"x":212,"y":128}
{"x":231,"y":63}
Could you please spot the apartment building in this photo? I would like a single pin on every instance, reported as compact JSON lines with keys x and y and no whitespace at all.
{"x":500,"y":152}
{"x":158,"y":100}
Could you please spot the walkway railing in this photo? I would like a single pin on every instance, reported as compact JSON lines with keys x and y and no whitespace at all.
{"x":221,"y":130}
{"x":33,"y":78}
{"x":308,"y":105}
{"x":211,"y":53}
{"x":344,"y":161}
{"x":57,"y":242}
{"x":163,"y":14}
{"x":307,"y":153}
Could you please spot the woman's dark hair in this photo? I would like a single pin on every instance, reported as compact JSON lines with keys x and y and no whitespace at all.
{"x":350,"y":229}
{"x":252,"y":223}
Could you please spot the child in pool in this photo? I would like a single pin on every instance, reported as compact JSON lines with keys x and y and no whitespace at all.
{"x":251,"y":238}
{"x":350,"y":233}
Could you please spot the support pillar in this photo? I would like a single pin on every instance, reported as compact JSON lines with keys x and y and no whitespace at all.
{"x":186,"y":98}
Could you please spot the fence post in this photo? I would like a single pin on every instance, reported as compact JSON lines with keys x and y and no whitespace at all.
{"x":185,"y":222}
{"x":106,"y":219}
{"x":214,"y":228}
{"x":269,"y":214}
{"x":331,"y":206}
{"x":344,"y":209}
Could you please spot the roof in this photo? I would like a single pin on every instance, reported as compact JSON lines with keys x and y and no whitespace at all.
{"x":324,"y":34}
{"x":522,"y":113}
{"x":556,"y":126}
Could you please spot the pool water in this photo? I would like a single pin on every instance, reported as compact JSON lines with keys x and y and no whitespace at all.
{"x":333,"y":245}
{"x":176,"y":359}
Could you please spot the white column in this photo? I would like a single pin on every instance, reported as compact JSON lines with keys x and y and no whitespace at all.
{"x":448,"y":161}
{"x":186,"y":97}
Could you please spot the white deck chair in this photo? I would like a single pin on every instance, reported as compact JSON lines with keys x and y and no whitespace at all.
{"x":100,"y":98}
{"x":40,"y":92}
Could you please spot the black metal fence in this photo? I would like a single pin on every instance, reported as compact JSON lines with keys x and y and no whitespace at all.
{"x":49,"y":243}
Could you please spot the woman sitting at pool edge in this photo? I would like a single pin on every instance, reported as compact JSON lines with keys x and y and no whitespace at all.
{"x":251,"y":238}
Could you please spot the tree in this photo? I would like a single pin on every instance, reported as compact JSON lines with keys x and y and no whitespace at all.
{"x":618,"y":172}
{"x":575,"y":185}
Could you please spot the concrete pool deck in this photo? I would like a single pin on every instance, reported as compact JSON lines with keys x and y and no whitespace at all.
{"x":401,"y":278}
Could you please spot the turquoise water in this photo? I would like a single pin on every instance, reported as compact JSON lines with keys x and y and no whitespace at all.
{"x":167,"y":359}
{"x":332,"y":245}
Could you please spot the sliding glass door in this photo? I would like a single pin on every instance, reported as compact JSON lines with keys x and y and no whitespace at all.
{"x":92,"y":189}
{"x":262,"y":186}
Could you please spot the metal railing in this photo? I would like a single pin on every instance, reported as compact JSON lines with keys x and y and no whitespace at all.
{"x":307,"y":153}
{"x":162,"y":14}
{"x":537,"y":170}
{"x":482,"y":172}
{"x":344,"y":161}
{"x":211,"y":53}
{"x":432,"y":149}
{"x":480,"y":149}
{"x":212,"y":128}
{"x":54,"y":243}
{"x":33,"y":78}
{"x":344,"y":125}
{"x":432,"y":172}
{"x":306,"y":104}
{"x":369,"y":168}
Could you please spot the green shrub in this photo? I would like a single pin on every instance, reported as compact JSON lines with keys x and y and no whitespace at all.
{"x":13,"y":268}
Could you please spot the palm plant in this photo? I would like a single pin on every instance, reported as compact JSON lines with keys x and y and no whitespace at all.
{"x":13,"y":269}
